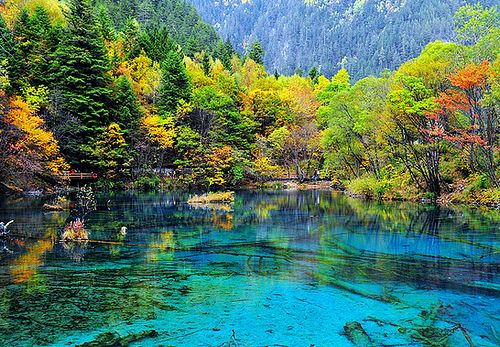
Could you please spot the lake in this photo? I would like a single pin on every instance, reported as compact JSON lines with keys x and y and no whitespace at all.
{"x":274,"y":269}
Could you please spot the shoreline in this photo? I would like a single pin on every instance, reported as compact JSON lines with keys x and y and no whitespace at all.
{"x":282,"y":185}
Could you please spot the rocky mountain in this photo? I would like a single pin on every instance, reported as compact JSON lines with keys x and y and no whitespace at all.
{"x":366,"y":36}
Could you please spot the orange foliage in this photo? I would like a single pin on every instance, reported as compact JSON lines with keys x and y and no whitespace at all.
{"x":471,"y":76}
{"x":34,"y":139}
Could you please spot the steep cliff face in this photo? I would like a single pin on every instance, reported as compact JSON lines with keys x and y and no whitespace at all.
{"x":370,"y":34}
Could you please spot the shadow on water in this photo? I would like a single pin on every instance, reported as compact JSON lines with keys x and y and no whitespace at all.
{"x":276,"y":268}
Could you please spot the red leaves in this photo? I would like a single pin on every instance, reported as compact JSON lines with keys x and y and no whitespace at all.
{"x":452,"y":100}
{"x":461,"y":104}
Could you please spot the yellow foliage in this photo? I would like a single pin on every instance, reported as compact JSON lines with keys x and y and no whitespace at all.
{"x":300,"y":98}
{"x":217,"y":69}
{"x":35,"y":137}
{"x":158,"y":130}
{"x":11,"y":9}
{"x":36,"y":97}
{"x":144,"y":74}
{"x":4,"y":76}
{"x":195,"y":71}
{"x":220,"y":160}
{"x":116,"y":50}
{"x":265,"y":168}
{"x":323,"y":82}
{"x":226,"y":197}
{"x":251,"y":73}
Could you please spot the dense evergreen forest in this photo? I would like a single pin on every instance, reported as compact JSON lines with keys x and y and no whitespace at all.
{"x":127,"y":90}
{"x":365,"y":36}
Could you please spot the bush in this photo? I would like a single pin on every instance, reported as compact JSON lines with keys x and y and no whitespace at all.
{"x":147,"y":183}
{"x":75,"y":231}
{"x":365,"y":186}
{"x":224,"y":197}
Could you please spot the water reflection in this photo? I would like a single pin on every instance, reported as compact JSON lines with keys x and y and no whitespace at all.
{"x":287,"y":268}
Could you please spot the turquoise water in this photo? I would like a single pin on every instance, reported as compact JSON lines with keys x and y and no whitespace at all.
{"x":276,"y":269}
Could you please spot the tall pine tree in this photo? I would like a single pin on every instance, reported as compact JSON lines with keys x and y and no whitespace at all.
{"x":175,"y":84}
{"x":79,"y":69}
{"x":256,"y":52}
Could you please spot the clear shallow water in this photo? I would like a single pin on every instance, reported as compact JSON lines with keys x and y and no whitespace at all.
{"x":280,"y":269}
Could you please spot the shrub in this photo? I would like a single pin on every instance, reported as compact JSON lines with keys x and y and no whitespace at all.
{"x":75,"y":231}
{"x":147,"y":183}
{"x":222,"y":197}
{"x":365,"y":186}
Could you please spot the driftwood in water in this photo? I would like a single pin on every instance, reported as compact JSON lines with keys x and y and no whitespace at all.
{"x":55,"y":207}
{"x":355,"y":290}
{"x":357,"y":335}
{"x":110,"y":339}
{"x":428,"y":334}
{"x":3,"y":227}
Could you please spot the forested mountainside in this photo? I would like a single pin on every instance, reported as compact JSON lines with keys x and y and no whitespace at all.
{"x":180,"y":18}
{"x":297,"y":34}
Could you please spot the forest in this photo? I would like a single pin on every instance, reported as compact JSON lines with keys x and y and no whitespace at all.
{"x":366,"y":36}
{"x":84,"y":86}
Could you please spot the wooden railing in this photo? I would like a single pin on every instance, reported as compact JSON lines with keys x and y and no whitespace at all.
{"x":79,"y":175}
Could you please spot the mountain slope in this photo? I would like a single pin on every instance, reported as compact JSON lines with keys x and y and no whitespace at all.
{"x":182,"y":20}
{"x":371,"y":34}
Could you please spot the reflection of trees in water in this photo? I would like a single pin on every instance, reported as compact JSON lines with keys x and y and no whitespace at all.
{"x":75,"y":250}
{"x":318,"y":237}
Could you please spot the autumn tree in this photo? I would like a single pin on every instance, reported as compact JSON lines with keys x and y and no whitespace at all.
{"x":110,"y":154}
{"x":472,"y":107}
{"x":414,"y":140}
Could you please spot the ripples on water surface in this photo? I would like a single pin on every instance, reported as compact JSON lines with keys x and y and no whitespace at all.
{"x":279,"y":269}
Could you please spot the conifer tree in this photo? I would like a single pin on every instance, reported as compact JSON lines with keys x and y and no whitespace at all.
{"x":79,"y":69}
{"x":175,"y":84}
{"x":314,"y":74}
{"x":256,"y":52}
{"x":126,"y":111}
{"x":8,"y":48}
{"x":205,"y":63}
{"x":226,"y":53}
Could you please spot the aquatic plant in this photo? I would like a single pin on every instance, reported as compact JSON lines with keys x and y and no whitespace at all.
{"x":75,"y":231}
{"x":85,"y":202}
{"x":221,"y":197}
{"x":60,"y":203}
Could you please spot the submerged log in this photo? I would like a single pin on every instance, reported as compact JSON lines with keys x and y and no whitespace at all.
{"x":355,"y":290}
{"x":3,"y":227}
{"x":357,"y":335}
{"x":49,"y":207}
{"x":110,"y":339}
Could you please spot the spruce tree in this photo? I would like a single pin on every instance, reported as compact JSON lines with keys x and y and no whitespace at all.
{"x":314,"y":74}
{"x":205,"y":63}
{"x":79,"y":69}
{"x":125,"y":111}
{"x":256,"y":52}
{"x":226,"y":53}
{"x":157,"y":42}
{"x":175,"y":84}
{"x":8,"y":48}
{"x":45,"y":39}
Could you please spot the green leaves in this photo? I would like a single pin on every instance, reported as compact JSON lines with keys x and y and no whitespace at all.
{"x":175,"y":84}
